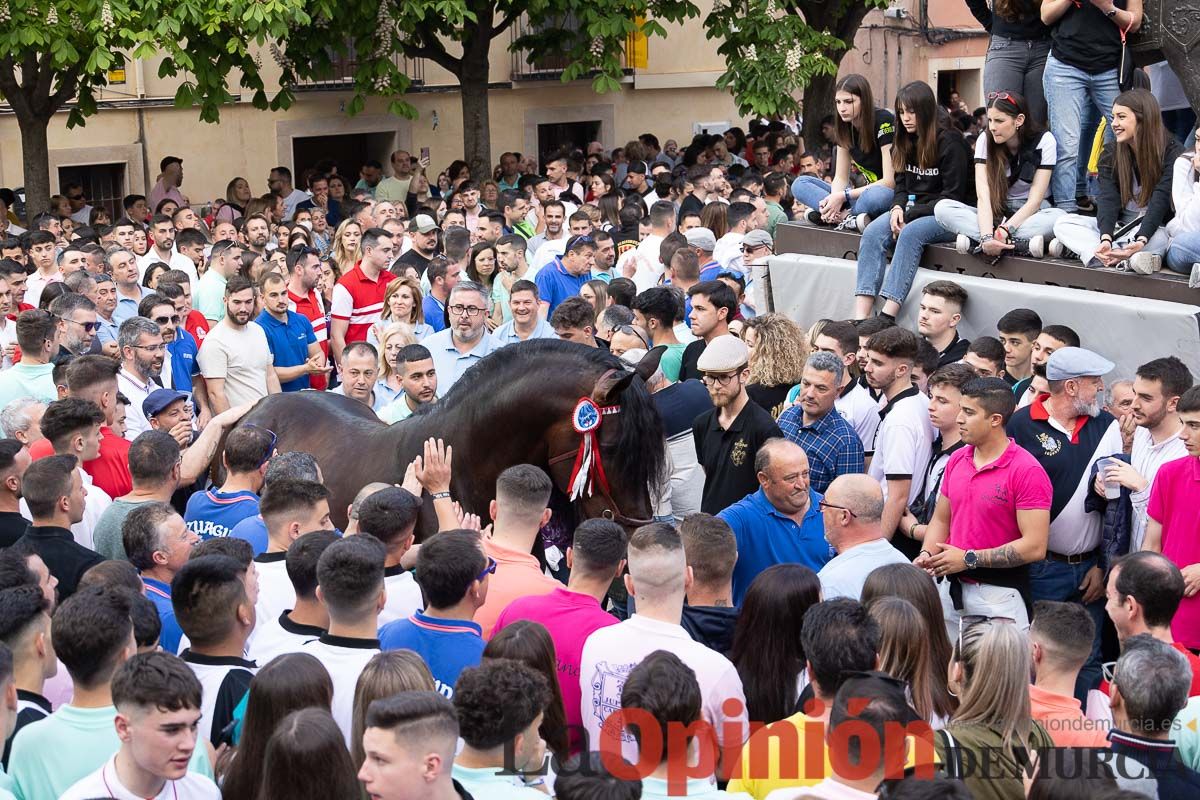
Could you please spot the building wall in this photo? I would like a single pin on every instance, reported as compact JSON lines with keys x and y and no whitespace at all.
{"x":893,"y":52}
{"x":139,"y":126}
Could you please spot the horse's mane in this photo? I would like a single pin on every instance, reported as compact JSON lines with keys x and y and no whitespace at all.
{"x":640,"y":448}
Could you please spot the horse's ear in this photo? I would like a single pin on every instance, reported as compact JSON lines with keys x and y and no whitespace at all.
{"x":649,"y":363}
{"x":610,"y":385}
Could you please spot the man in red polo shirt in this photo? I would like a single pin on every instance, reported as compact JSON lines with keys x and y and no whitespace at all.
{"x":94,"y":378}
{"x":304,"y":271}
{"x":358,"y":297}
{"x":993,"y":514}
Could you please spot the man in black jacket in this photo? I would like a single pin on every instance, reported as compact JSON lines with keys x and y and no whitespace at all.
{"x":55,"y":494}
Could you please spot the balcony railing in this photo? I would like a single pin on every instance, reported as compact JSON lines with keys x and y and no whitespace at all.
{"x":343,"y":67}
{"x":549,"y":66}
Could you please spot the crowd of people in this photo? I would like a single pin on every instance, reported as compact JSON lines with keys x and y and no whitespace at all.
{"x":975,"y":555}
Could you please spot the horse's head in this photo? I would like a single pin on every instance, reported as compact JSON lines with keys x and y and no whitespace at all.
{"x":629,"y":452}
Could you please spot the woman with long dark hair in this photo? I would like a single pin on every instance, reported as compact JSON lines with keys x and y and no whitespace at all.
{"x":932,"y":163}
{"x":766,"y":642}
{"x":306,"y":756}
{"x":1016,"y":54}
{"x":1013,"y":163}
{"x":904,"y":653}
{"x":914,"y":585}
{"x":1128,"y":231}
{"x":864,"y":136}
{"x":286,"y":684}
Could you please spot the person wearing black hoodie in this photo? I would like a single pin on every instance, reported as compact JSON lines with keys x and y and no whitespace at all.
{"x":1134,"y":203}
{"x":932,"y":163}
{"x":709,"y":616}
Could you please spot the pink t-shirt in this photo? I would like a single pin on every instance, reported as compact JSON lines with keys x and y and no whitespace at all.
{"x":1175,"y":504}
{"x":570,"y":617}
{"x":984,"y":503}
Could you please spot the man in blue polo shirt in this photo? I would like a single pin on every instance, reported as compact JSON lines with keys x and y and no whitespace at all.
{"x":453,"y":572}
{"x":780,"y":523}
{"x":566,"y":275}
{"x":290,"y":336}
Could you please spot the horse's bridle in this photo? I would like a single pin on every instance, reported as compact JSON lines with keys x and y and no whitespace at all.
{"x":613,"y":512}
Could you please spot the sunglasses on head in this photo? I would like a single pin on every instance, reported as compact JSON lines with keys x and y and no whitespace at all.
{"x":967,"y":621}
{"x":633,"y":332}
{"x":274,"y":441}
{"x":1005,"y":96}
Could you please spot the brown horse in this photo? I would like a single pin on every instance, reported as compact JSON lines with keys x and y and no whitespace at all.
{"x":513,"y":407}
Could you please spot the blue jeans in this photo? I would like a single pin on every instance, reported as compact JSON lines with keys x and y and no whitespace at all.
{"x":1059,"y":581}
{"x":1183,"y":252}
{"x":905,"y":249}
{"x":1069,"y":93}
{"x":874,"y":200}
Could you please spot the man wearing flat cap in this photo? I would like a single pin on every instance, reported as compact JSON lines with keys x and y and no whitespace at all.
{"x":1067,"y":432}
{"x":729,"y":436}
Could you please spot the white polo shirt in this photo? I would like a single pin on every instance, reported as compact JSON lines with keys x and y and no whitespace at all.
{"x":275,"y":591}
{"x":861,"y":411}
{"x":275,"y":637}
{"x":403,"y":595}
{"x":903,"y":441}
{"x":344,"y":659}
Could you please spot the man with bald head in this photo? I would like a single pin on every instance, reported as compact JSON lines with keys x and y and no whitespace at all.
{"x":852,"y":509}
{"x":781,"y":522}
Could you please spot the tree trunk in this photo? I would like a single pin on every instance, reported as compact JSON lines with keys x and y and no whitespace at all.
{"x":477,"y":138}
{"x":35,"y":153}
{"x":818,"y":102}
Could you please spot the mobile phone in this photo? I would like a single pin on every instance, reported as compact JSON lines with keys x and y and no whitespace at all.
{"x":425,"y":152}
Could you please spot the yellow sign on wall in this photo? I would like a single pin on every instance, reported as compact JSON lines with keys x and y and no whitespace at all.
{"x":116,"y":76}
{"x":636,"y":47}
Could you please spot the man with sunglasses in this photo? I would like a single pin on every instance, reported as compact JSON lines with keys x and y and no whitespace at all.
{"x":992,"y":518}
{"x":729,"y":436}
{"x":76,"y":316}
{"x":143,"y":353}
{"x":467,"y":340}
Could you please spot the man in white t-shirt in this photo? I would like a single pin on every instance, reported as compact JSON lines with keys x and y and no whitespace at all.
{"x":162,"y":234}
{"x":390,"y":515}
{"x":158,"y":706}
{"x":236,"y":359}
{"x":904,"y":439}
{"x":659,"y":579}
{"x":290,"y":509}
{"x":851,"y":509}
{"x":648,"y":268}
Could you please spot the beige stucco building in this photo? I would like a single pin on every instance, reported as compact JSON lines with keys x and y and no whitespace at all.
{"x":118,"y":151}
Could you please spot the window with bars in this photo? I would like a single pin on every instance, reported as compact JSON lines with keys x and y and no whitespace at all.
{"x":103,"y":184}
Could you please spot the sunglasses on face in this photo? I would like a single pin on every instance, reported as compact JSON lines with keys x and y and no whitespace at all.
{"x":490,"y":569}
{"x":87,"y":326}
{"x":173,"y":320}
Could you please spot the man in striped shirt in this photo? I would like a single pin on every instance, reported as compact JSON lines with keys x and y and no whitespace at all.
{"x":304,"y":271}
{"x":358,"y":296}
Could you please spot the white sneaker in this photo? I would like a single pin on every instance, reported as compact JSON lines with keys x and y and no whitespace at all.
{"x":1145,"y":263}
{"x":963,"y":244}
{"x":1057,"y":249}
{"x":1194,"y":279}
{"x":855,"y":223}
{"x":1037,"y":246}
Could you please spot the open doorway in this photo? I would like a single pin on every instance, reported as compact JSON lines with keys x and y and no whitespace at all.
{"x":349,"y":151}
{"x":968,"y":83}
{"x":555,"y":136}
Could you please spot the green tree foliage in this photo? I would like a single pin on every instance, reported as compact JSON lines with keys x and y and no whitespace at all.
{"x":56,"y":55}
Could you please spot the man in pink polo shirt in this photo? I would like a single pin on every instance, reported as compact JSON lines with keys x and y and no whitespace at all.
{"x":518,"y":513}
{"x":595,"y":557}
{"x":992,"y":517}
{"x":1174,"y":513}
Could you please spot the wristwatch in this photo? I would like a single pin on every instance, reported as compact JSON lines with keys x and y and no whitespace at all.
{"x":971,"y":559}
{"x":1113,"y":13}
